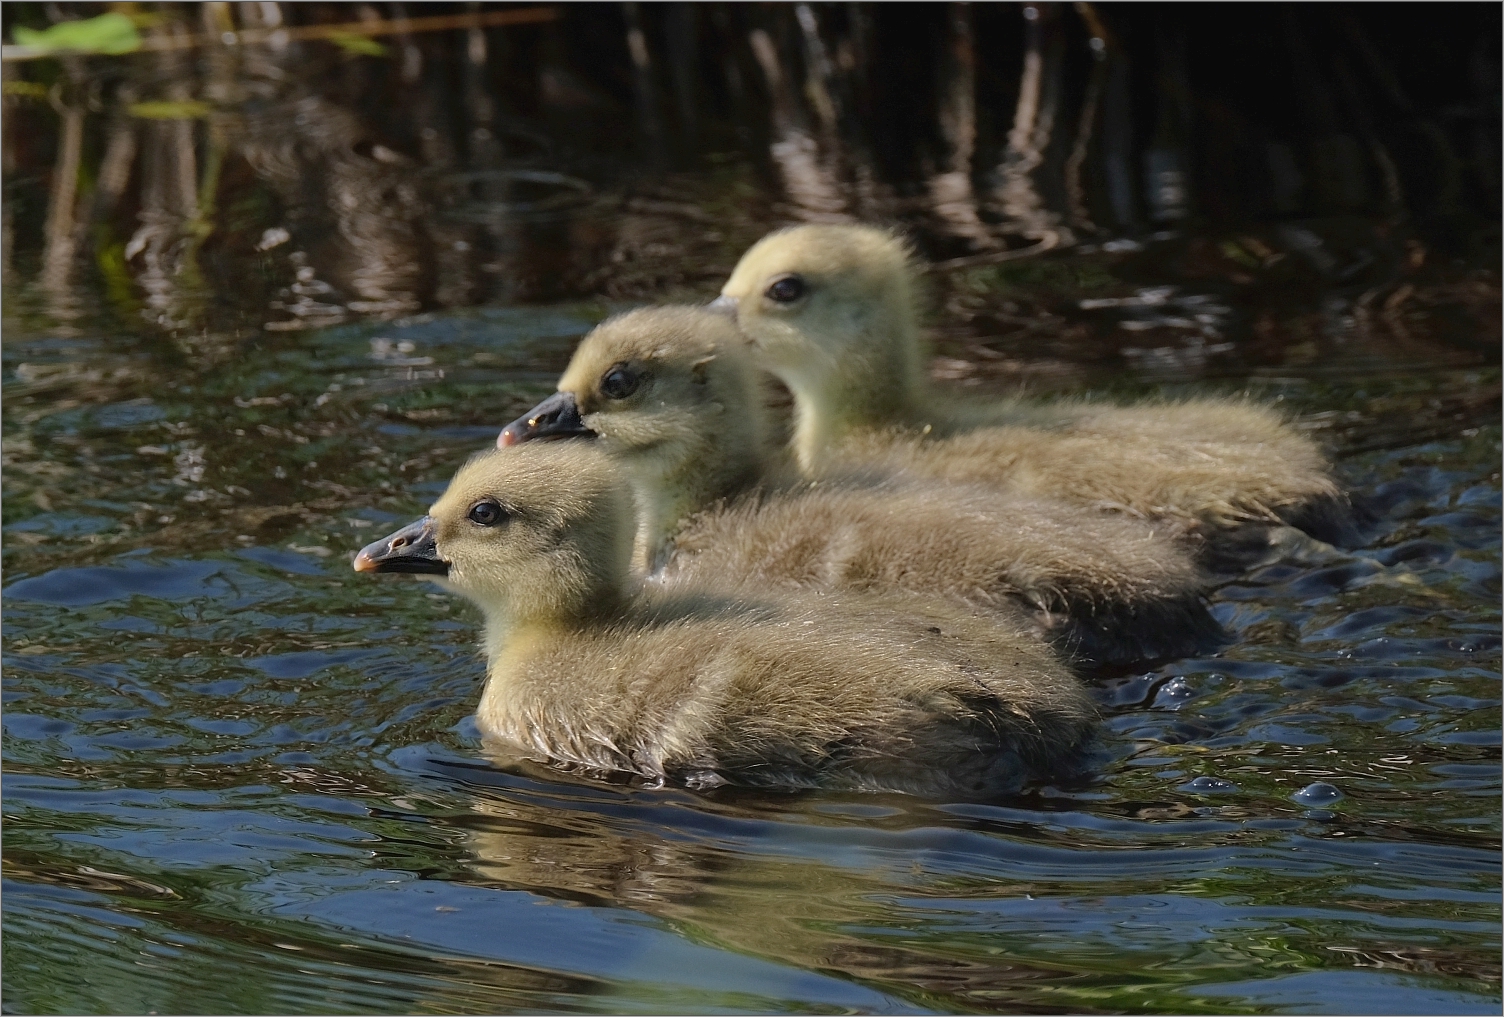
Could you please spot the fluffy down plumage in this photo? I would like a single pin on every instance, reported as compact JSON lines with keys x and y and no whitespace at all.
{"x":846,"y":341}
{"x":725,"y":683}
{"x":715,"y":499}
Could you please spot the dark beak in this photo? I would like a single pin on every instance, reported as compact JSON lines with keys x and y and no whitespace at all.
{"x":723,"y":305}
{"x":558,"y":416}
{"x":411,"y":549}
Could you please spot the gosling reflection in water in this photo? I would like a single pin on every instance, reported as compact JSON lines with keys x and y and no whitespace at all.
{"x":707,"y":684}
{"x":724,"y":870}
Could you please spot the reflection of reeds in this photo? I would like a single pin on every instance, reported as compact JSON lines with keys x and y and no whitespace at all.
{"x":7,"y":170}
{"x":642,"y":82}
{"x":396,"y":184}
{"x":57,"y":255}
{"x":1024,"y":209}
{"x":177,"y":165}
{"x":951,"y":190}
{"x":169,"y":198}
{"x":816,"y":193}
{"x":1075,"y":192}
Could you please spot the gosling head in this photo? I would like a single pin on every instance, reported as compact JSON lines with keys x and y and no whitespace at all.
{"x":540,"y":533}
{"x":832,"y":311}
{"x":671,"y":396}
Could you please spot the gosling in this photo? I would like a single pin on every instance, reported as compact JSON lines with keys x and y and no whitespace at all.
{"x":832,"y":310}
{"x":707,"y":686}
{"x":674,"y":401}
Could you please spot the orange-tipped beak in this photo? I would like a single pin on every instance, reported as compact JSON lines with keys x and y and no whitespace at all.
{"x":558,"y":416}
{"x":410,"y":550}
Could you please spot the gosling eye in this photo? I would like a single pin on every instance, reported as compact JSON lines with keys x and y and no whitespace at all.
{"x":786,"y":289}
{"x":486,"y":513}
{"x":620,"y":382}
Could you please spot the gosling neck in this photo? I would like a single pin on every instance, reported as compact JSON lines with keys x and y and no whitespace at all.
{"x":517,"y":623}
{"x":668,"y":490}
{"x":875,"y":382}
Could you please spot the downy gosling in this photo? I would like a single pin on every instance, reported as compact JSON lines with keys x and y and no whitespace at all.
{"x":674,"y":401}
{"x":833,"y":311}
{"x":706,"y":686}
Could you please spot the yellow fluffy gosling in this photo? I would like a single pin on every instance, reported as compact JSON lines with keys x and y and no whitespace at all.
{"x":832,"y":310}
{"x":713,"y":685}
{"x":674,"y":401}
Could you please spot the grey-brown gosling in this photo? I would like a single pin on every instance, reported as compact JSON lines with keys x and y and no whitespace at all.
{"x":706,"y":685}
{"x":833,"y":311}
{"x":672,"y":398}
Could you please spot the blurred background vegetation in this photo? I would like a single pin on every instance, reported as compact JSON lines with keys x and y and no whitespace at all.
{"x":280,"y":165}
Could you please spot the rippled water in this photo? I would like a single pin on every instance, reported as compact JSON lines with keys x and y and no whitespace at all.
{"x":240,"y":778}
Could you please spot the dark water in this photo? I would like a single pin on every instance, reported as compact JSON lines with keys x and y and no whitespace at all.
{"x":239,"y":778}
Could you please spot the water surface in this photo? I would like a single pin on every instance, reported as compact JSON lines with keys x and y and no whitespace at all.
{"x":240,"y":778}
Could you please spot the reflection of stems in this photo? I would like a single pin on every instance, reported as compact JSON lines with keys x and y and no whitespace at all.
{"x":1094,"y":24}
{"x":201,"y":226}
{"x":951,"y":191}
{"x":412,"y":56}
{"x":767,"y":58}
{"x":169,"y":201}
{"x":109,"y":185}
{"x":809,"y":183}
{"x":1033,"y":125}
{"x":57,"y":256}
{"x":642,"y":79}
{"x":1448,"y":172}
{"x":484,"y":150}
{"x":858,"y":73}
{"x":1117,"y":142}
{"x":198,"y":209}
{"x":1075,"y":193}
{"x":7,"y":172}
{"x":734,"y":84}
{"x":958,"y":115}
{"x":817,"y":71}
{"x":731,"y":67}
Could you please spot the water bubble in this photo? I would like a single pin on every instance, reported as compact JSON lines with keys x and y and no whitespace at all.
{"x":1319,"y":793}
{"x":1209,"y":786}
{"x":1173,"y":694}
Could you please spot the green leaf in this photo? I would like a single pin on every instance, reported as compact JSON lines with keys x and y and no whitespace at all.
{"x":357,"y":45}
{"x":31,"y":89}
{"x":109,"y":33}
{"x":189,"y":109}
